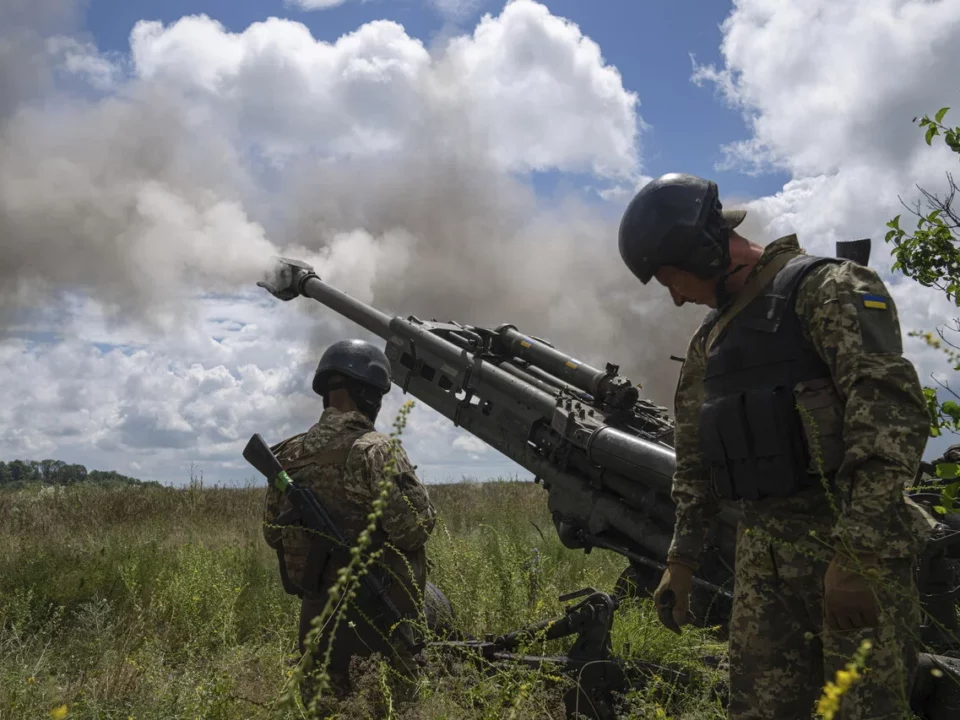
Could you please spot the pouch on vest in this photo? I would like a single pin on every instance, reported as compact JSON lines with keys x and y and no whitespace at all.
{"x":761,"y":370}
{"x":747,"y":442}
{"x":821,"y":412}
{"x":301,"y":572}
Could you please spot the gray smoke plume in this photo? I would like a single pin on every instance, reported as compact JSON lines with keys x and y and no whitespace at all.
{"x":136,"y":203}
{"x":461,"y":240}
{"x":125,"y":199}
{"x":25,"y":70}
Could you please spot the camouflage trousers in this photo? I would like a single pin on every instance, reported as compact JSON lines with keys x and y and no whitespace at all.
{"x":781,"y":653}
{"x":355,"y":640}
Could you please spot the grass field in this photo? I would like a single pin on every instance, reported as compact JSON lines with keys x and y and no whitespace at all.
{"x":150,"y":603}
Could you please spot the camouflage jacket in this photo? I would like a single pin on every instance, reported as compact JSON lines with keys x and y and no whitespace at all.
{"x":885,"y":426}
{"x":347,"y":492}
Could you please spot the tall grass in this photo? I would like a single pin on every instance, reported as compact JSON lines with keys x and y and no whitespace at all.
{"x":150,"y":603}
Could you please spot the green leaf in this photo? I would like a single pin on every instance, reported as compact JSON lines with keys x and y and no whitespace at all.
{"x":941,"y":113}
{"x":895,"y":223}
{"x":948,"y":471}
{"x":950,"y":491}
{"x":952,"y":409}
{"x":931,"y":131}
{"x":940,"y":509}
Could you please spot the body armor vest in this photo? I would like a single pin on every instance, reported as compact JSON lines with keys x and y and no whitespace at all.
{"x":322,"y":547}
{"x":754,"y":440}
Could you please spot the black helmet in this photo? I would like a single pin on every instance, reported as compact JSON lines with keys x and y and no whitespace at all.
{"x":357,"y":359}
{"x":677,"y":220}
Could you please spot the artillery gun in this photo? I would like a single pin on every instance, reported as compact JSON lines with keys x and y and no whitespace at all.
{"x":604,"y":456}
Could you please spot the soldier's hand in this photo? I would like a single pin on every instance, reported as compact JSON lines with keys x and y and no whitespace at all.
{"x":849,"y":602}
{"x":672,"y":596}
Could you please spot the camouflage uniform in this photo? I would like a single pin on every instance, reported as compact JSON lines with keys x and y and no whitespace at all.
{"x":781,"y":652}
{"x":346,"y":486}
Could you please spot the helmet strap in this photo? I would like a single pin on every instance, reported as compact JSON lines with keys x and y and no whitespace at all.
{"x":367,"y":398}
{"x":723,"y":295}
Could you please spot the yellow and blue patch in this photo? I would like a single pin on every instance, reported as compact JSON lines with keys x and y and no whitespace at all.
{"x":877,"y":302}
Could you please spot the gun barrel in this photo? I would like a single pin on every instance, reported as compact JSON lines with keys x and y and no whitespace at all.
{"x":362,"y":314}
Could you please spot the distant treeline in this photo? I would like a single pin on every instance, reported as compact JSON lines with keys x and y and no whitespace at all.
{"x":21,"y":473}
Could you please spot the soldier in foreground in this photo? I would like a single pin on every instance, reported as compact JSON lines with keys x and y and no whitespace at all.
{"x":794,"y":383}
{"x":343,"y":459}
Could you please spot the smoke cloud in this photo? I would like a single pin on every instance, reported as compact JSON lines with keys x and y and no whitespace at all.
{"x":147,"y":187}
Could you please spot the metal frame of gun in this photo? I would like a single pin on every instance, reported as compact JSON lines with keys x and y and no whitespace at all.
{"x":602,"y":453}
{"x":596,"y":673}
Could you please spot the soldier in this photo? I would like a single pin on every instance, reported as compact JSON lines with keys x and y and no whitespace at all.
{"x":795,"y":405}
{"x":343,"y":460}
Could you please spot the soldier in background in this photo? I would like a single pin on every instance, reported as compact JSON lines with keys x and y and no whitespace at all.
{"x":343,"y":460}
{"x":794,"y":383}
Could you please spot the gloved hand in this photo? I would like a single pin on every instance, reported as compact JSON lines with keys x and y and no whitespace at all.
{"x":849,"y":602}
{"x":672,"y":596}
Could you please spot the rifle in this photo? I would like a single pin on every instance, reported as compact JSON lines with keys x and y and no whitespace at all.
{"x":314,"y":517}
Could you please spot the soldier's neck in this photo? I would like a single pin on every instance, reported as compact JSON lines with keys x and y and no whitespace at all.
{"x":744,"y":256}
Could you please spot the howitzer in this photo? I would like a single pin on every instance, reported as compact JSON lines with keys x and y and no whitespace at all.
{"x":603,"y":454}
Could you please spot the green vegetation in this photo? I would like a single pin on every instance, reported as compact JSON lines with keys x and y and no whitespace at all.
{"x":931,"y":256}
{"x":150,"y":602}
{"x":18,"y":474}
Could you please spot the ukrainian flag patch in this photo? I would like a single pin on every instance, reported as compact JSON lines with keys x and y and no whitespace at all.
{"x":878,"y":302}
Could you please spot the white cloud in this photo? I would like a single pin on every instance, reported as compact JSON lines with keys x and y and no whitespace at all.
{"x":582,"y":118}
{"x":457,"y":9}
{"x":829,"y":90}
{"x":472,"y":445}
{"x":155,"y":409}
{"x":387,"y":167}
{"x":824,"y":82}
{"x":84,"y":60}
{"x":277,"y":87}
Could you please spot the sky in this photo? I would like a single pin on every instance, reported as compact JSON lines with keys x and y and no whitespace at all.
{"x":465,"y":160}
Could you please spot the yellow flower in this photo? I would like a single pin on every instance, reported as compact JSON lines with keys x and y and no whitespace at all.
{"x":59,"y":713}
{"x":844,"y":678}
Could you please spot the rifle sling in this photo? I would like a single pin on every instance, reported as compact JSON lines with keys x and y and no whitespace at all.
{"x":320,"y":547}
{"x":747,"y":296}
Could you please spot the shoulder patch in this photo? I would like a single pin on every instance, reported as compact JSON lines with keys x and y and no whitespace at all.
{"x":875,"y":302}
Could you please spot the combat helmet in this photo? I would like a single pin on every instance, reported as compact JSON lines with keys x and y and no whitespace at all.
{"x":359,"y":367}
{"x":677,"y":220}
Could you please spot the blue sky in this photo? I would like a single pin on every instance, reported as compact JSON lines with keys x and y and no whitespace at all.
{"x":650,"y":43}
